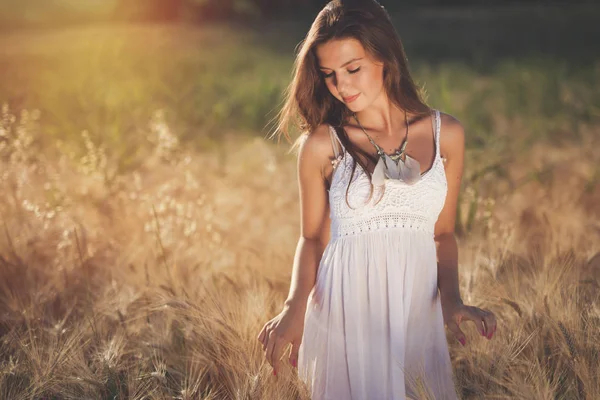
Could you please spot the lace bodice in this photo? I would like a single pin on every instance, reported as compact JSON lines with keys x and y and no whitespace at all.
{"x":395,"y":205}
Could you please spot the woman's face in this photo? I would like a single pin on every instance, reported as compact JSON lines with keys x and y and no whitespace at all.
{"x":351,"y":75}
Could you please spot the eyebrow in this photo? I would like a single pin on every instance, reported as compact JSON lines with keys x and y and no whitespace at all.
{"x":344,"y":64}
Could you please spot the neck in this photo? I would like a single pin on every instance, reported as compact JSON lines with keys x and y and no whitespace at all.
{"x":382,"y":116}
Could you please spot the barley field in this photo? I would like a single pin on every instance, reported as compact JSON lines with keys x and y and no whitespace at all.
{"x":147,"y":226}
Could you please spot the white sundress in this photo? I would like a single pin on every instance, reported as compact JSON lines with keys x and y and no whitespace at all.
{"x":373,"y":326}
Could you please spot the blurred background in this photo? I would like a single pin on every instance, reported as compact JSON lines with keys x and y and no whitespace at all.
{"x":213,"y":66}
{"x":149,"y":226}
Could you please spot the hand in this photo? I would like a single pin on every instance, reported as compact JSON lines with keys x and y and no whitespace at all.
{"x":456,"y":312}
{"x":285,"y":328}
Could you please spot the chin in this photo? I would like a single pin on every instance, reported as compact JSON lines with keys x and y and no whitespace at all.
{"x":355,"y":107}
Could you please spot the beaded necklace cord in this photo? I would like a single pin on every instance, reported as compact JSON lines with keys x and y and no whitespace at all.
{"x":396,"y":156}
{"x":407,"y":170}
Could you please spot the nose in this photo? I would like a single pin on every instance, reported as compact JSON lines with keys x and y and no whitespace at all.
{"x":342,"y":84}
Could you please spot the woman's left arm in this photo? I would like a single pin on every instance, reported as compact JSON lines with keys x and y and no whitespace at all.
{"x":452,"y":144}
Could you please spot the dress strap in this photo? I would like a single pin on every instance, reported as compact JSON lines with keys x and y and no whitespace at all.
{"x":335,"y":142}
{"x":436,"y":133}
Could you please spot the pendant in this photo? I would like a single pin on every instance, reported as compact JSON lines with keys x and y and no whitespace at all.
{"x":407,"y":170}
{"x":397,"y":156}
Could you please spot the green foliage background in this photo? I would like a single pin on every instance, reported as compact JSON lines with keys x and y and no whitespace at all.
{"x":531,"y":70}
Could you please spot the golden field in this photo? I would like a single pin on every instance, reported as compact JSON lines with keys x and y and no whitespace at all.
{"x":145,"y":241}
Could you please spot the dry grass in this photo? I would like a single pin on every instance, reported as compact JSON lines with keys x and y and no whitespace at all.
{"x":154,"y":283}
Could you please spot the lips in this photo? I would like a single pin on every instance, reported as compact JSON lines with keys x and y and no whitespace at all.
{"x":351,"y":98}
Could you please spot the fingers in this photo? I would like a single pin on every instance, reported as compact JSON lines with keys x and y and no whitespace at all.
{"x":477,"y":317}
{"x":489,"y":320}
{"x":458,"y":333}
{"x":273,"y":346}
{"x":264,"y":335}
{"x":294,"y":354}
{"x":276,"y":356}
{"x":270,"y":346}
{"x":274,"y":350}
{"x":484,"y":320}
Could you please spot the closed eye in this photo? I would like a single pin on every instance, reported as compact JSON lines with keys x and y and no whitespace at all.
{"x":353,"y":71}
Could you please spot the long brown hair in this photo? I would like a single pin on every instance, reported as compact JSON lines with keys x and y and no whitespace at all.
{"x":308,"y":103}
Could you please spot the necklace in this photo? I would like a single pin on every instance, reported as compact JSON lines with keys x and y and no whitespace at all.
{"x":393,"y":166}
{"x":397,"y":155}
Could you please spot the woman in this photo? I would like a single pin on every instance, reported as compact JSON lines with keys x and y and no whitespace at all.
{"x":375,"y":273}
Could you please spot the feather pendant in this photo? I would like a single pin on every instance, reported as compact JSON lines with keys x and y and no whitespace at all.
{"x":408,"y":171}
{"x":378,"y":176}
{"x":393,"y":169}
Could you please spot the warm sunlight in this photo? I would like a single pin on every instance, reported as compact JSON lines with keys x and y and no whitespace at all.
{"x":150,"y":227}
{"x":92,"y":6}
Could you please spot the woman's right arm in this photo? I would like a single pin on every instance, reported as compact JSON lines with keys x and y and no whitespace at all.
{"x":314,"y":217}
{"x":287,"y":327}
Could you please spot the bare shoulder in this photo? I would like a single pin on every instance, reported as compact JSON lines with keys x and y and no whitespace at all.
{"x":452,"y":136}
{"x":315,"y":148}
